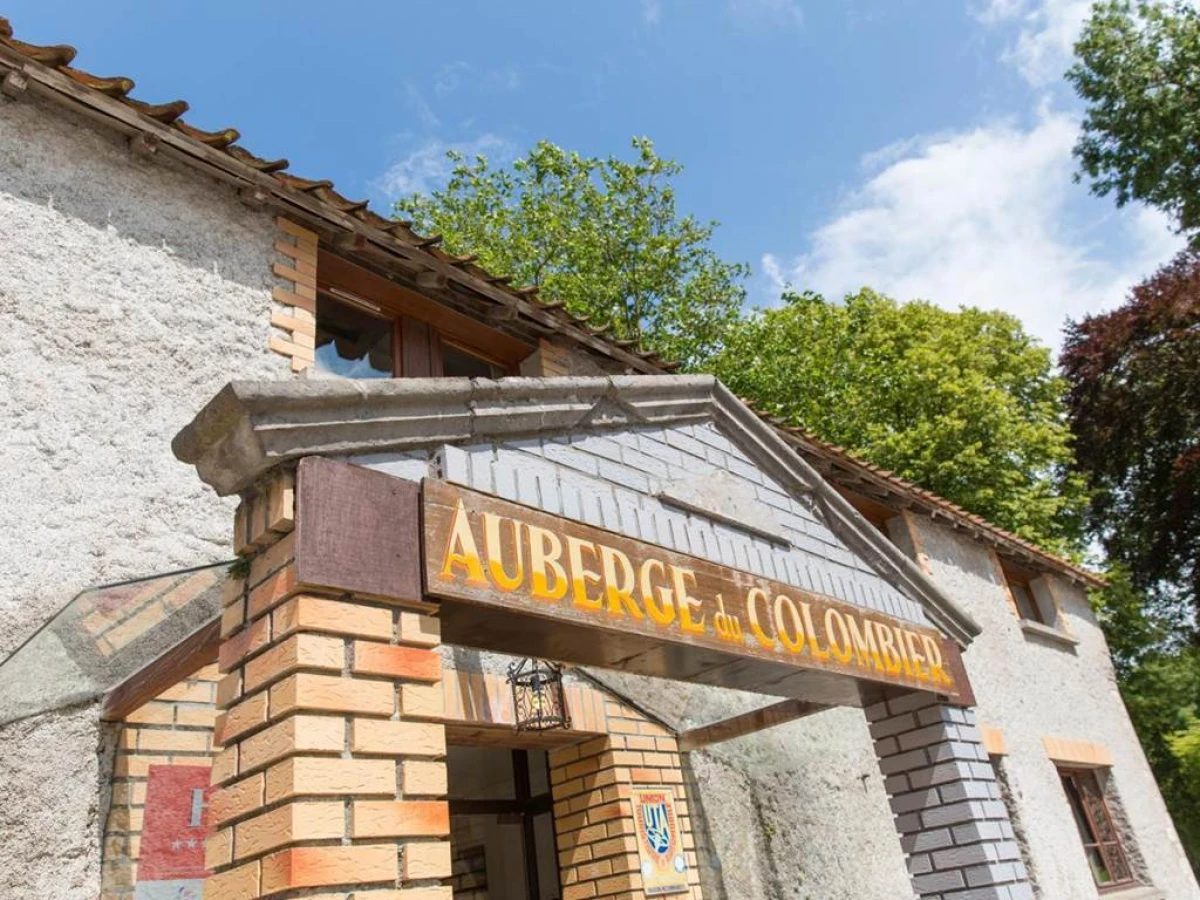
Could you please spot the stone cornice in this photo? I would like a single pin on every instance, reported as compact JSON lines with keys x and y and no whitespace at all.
{"x":249,"y":428}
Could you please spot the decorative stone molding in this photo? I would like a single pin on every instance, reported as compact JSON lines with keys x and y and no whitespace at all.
{"x":251,"y":427}
{"x":294,"y":310}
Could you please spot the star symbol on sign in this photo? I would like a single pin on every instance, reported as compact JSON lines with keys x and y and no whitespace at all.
{"x":191,"y":843}
{"x":176,"y":845}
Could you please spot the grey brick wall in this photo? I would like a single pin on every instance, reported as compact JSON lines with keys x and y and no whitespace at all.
{"x":610,"y":480}
{"x":953,"y":825}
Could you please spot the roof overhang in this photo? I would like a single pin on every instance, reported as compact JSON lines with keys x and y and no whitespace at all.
{"x":250,"y":428}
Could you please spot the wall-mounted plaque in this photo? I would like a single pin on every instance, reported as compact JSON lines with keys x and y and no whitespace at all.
{"x":660,"y":851}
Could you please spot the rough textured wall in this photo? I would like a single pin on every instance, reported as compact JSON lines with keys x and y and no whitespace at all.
{"x":51,"y":800}
{"x":129,"y":294}
{"x":1031,"y":687}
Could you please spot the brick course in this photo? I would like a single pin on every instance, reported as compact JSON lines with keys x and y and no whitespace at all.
{"x":326,"y":783}
{"x":175,"y":728}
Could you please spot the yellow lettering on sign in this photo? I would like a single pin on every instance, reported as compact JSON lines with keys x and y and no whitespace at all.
{"x":863,"y":640}
{"x":793,"y":641}
{"x":915,"y":657}
{"x":841,"y":649}
{"x":756,"y":596}
{"x":933,"y":654}
{"x":619,"y":587}
{"x":685,"y":602}
{"x":580,"y":574}
{"x":461,"y":550}
{"x":494,"y":548}
{"x":659,"y":599}
{"x":544,"y":551}
{"x":817,"y":652}
{"x":887,"y":647}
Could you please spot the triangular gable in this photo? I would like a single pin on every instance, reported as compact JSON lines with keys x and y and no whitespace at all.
{"x":498,"y":436}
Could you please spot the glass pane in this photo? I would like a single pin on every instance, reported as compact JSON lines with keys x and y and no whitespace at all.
{"x":352,"y":342}
{"x":105,"y":635}
{"x":1081,"y":822}
{"x":1114,"y":858}
{"x":539,"y":773}
{"x":1026,"y":605}
{"x":1099,"y":869}
{"x":458,"y":363}
{"x":480,"y":773}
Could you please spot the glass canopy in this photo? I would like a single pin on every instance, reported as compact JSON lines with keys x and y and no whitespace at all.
{"x":104,"y":636}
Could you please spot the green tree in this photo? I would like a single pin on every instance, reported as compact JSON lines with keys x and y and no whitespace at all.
{"x":602,"y":236}
{"x":964,"y":403}
{"x":1138,"y":70}
{"x":1134,"y":405}
{"x":1158,"y":671}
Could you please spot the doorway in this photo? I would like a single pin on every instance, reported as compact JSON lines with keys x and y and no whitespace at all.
{"x":501,"y":824}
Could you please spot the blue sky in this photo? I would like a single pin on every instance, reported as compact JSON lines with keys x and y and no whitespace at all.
{"x":918,"y":146}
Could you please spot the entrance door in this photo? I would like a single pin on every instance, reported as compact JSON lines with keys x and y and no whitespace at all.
{"x":501,"y":824}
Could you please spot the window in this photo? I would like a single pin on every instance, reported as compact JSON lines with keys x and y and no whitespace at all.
{"x":353,"y":341}
{"x":1027,"y":605}
{"x":1101,"y":843}
{"x":1021,"y":585}
{"x":371,"y":327}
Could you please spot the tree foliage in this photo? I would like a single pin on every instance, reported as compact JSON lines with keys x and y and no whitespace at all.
{"x":1134,"y":405}
{"x":601,"y":235}
{"x":963,"y":403}
{"x":1138,"y":70}
{"x":1158,"y":670}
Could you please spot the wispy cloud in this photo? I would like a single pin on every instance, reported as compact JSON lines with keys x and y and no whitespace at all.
{"x":651,"y":12}
{"x":1046,"y":30}
{"x":421,"y":109}
{"x":981,"y":217}
{"x":427,"y":168}
{"x":462,"y":74}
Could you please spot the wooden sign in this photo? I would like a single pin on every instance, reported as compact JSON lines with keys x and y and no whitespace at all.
{"x":581,"y":594}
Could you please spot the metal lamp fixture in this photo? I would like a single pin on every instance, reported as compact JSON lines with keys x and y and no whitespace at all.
{"x":538,"y":700}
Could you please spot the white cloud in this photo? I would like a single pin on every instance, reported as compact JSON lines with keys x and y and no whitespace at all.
{"x":424,"y":112}
{"x":1043,"y":46}
{"x":455,"y":75}
{"x":651,"y":12}
{"x":984,"y":217}
{"x":426,"y":168}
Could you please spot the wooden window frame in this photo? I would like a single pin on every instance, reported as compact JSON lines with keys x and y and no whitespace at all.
{"x":421,"y":324}
{"x":1104,"y":848}
{"x":1015,"y":576}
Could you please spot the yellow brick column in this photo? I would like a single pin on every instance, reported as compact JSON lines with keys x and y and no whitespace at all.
{"x":331,"y":771}
{"x":592,"y":787}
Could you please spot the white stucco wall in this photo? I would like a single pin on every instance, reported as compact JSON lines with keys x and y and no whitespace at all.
{"x":130,"y":292}
{"x":1031,"y":687}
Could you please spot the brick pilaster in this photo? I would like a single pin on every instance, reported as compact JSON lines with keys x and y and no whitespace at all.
{"x":593,"y":813}
{"x":953,"y":826}
{"x":331,"y":773}
{"x":294,"y":310}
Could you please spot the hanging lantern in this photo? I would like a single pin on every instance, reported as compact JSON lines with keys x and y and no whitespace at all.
{"x":538,"y":701}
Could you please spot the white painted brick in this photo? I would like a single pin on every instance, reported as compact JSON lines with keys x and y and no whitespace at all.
{"x":456,"y":465}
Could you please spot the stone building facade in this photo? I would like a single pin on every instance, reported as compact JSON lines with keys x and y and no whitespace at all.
{"x":335,"y":743}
